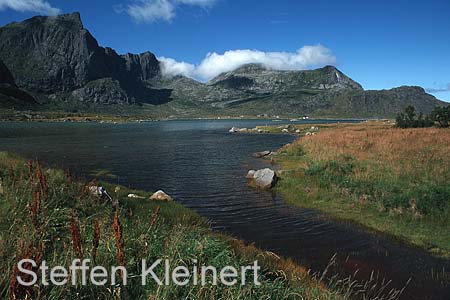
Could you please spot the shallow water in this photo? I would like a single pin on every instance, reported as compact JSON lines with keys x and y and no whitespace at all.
{"x":204,"y":167}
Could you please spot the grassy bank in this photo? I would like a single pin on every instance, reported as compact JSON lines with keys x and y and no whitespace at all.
{"x":47,"y":215}
{"x":391,"y":180}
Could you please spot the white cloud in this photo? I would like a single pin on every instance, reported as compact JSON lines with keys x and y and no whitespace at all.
{"x":171,"y":67}
{"x":214,"y":64}
{"x":204,"y":3}
{"x":150,"y":11}
{"x":159,"y":10}
{"x":36,"y":6}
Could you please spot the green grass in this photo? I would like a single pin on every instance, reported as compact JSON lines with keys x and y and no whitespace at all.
{"x":364,"y":175}
{"x":41,"y":211}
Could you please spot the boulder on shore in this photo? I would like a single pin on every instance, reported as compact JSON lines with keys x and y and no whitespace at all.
{"x":160,"y":196}
{"x":101,"y":192}
{"x":264,"y":178}
{"x":135,"y":196}
{"x":97,"y":190}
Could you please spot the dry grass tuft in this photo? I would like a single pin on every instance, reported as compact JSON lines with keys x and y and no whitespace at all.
{"x":402,"y":150}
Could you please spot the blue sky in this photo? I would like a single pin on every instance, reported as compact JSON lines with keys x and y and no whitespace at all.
{"x":381,"y":44}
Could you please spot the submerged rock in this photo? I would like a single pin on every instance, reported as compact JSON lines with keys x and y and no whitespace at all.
{"x":160,"y":196}
{"x":237,"y":129}
{"x":262,"y":154}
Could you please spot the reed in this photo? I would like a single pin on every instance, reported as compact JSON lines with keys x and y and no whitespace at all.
{"x":117,"y":227}
{"x":34,"y":209}
{"x":76,"y":236}
{"x":95,"y":240}
{"x":155,"y":216}
{"x":34,"y":252}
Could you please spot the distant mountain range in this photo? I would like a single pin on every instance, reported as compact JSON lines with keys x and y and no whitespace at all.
{"x":55,"y":61}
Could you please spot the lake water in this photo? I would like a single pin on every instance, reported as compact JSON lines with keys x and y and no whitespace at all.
{"x":203,"y":167}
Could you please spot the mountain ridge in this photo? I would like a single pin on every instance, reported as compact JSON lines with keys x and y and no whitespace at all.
{"x":58,"y":60}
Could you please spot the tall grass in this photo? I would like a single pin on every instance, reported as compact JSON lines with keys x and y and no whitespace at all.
{"x":46,"y":215}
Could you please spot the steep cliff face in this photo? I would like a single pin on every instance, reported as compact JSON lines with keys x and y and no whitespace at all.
{"x":10,"y":95}
{"x":57,"y":54}
{"x":143,"y":66}
{"x":52,"y":53}
{"x":5,"y":75}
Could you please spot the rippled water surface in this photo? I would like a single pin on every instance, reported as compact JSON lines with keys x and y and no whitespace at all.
{"x":203,"y":166}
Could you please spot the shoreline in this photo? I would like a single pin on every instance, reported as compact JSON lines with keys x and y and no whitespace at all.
{"x":60,"y":116}
{"x":174,"y":225}
{"x":407,"y":226}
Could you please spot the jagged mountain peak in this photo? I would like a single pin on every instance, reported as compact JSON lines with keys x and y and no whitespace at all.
{"x":70,"y":20}
{"x":54,"y":55}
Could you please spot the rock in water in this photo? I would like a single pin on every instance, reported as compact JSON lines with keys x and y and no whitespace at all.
{"x":261,"y":154}
{"x":161,"y":196}
{"x":250,"y":174}
{"x":264,"y":178}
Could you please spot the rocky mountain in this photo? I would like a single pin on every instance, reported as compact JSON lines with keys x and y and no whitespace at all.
{"x":10,"y":95}
{"x":255,"y":89}
{"x":5,"y":75}
{"x":380,"y":103}
{"x":58,"y":57}
{"x":261,"y":79}
{"x":57,"y":60}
